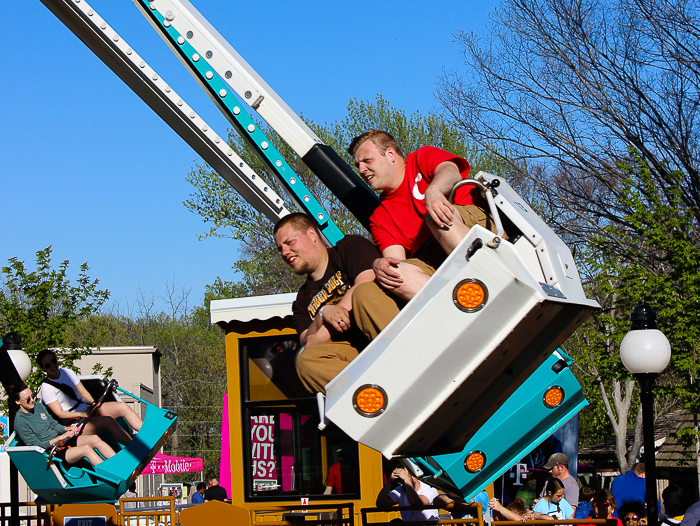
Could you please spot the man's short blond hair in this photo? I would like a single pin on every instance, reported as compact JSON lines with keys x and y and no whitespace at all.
{"x":381,"y":139}
{"x":300,"y":222}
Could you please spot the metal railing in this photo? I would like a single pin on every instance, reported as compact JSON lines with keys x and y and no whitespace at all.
{"x":311,"y":515}
{"x":32,"y":514}
{"x":133,"y":516}
{"x":478,"y":521}
{"x":535,"y":522}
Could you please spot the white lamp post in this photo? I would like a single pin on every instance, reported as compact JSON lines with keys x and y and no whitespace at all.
{"x":11,"y":355}
{"x":645,"y":352}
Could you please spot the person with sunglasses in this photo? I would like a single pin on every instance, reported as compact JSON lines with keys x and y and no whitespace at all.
{"x":631,"y":513}
{"x":553,"y":506}
{"x":35,"y":427}
{"x":66,"y":397}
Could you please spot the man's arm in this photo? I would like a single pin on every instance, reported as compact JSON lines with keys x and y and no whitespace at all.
{"x":334,"y":318}
{"x":446,"y":175}
{"x":386,"y":268}
{"x":571,"y":492}
{"x":384,"y":500}
{"x":410,"y":491}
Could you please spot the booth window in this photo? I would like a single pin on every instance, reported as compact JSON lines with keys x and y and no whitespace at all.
{"x":287,"y":454}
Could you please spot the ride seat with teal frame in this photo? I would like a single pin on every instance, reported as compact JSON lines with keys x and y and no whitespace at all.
{"x":58,"y":482}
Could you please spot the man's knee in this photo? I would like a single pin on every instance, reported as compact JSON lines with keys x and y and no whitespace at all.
{"x":364,"y":293}
{"x":303,"y":362}
{"x":373,"y":308}
{"x":321,"y":363}
{"x":368,"y":297}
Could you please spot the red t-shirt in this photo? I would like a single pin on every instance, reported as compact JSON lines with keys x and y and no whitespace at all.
{"x":399,"y":219}
{"x":334,"y":479}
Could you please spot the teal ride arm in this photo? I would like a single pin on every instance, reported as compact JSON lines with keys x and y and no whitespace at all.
{"x":233,"y":110}
{"x":520,"y":425}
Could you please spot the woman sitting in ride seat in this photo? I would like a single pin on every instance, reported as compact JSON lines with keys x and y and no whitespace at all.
{"x":64,"y":394}
{"x":35,"y":427}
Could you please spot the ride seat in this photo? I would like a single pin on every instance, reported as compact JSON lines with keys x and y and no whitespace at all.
{"x":485,"y":321}
{"x":33,"y":462}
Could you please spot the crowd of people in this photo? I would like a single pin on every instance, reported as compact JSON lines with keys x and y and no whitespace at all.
{"x":560,"y":499}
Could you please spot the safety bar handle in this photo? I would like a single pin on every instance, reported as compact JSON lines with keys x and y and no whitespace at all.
{"x":486,"y":191}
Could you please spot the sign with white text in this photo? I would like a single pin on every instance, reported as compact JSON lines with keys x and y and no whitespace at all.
{"x":85,"y":521}
{"x":263,"y":454}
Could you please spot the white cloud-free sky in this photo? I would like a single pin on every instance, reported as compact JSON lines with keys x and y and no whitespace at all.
{"x":87,"y":167}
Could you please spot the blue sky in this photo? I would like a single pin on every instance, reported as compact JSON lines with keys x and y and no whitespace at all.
{"x":88,"y":168}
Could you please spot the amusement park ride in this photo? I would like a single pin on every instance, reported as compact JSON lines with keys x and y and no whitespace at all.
{"x":464,"y":382}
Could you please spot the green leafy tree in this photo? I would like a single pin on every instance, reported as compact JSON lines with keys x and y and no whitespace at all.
{"x":659,"y":265}
{"x":42,"y":305}
{"x":261,"y":269}
{"x":565,"y":90}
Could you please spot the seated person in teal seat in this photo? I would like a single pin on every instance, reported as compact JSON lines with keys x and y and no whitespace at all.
{"x":35,"y":427}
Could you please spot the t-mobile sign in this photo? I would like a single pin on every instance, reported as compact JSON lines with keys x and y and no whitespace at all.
{"x":264,"y":464}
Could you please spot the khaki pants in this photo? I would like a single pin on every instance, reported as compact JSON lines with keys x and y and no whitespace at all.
{"x":431,"y":255}
{"x":321,"y":363}
{"x":372,"y":310}
{"x":476,"y":215}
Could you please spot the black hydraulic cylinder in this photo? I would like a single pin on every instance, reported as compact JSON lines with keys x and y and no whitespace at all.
{"x":340,"y":179}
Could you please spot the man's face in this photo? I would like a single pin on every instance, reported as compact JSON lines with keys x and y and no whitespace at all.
{"x":298,"y":249}
{"x":378,"y":170}
{"x":557,"y":471}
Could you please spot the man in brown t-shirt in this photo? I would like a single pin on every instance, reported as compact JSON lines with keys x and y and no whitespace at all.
{"x":322,"y":311}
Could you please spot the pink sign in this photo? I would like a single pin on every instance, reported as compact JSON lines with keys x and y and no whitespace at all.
{"x":263,"y":455}
{"x":225,"y":463}
{"x":165,"y":465}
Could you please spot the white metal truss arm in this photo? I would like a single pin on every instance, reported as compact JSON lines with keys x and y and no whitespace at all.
{"x":222,"y":72}
{"x":87,"y":25}
{"x":237,"y":73}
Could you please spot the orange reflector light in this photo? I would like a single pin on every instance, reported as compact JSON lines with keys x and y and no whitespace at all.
{"x":475,"y":461}
{"x":553,"y":397}
{"x":370,"y":400}
{"x":470,"y":295}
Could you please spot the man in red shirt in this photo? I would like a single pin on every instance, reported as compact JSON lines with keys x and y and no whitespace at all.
{"x":414,"y":206}
{"x":414,"y":209}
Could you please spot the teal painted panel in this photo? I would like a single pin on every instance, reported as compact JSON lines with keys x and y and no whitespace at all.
{"x":521,"y":424}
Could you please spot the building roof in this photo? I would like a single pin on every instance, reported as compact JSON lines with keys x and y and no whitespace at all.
{"x":672,"y":453}
{"x":252,"y":308}
{"x":668,"y":451}
{"x":126,"y":350}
